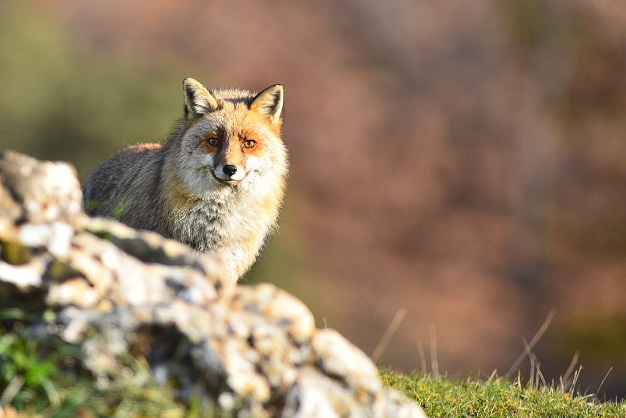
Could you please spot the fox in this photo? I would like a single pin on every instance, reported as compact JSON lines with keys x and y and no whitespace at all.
{"x":216,"y":183}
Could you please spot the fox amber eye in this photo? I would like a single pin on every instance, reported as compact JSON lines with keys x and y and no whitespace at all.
{"x":248,"y":143}
{"x":213,"y":141}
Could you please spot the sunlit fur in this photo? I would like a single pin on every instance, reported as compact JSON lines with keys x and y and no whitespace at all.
{"x":179,"y":188}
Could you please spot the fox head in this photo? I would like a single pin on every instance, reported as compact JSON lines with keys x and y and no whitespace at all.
{"x":231,"y":137}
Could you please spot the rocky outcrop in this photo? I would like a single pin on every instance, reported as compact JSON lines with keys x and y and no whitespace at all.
{"x":113,"y":290}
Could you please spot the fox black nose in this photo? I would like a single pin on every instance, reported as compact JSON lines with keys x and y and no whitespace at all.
{"x":229,"y":170}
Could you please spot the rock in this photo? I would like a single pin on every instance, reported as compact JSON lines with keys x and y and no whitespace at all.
{"x":114,"y":290}
{"x":34,"y":191}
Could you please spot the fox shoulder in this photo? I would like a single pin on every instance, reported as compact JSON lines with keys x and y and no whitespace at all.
{"x":105,"y":178}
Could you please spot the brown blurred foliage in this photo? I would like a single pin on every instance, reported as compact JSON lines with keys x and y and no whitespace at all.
{"x":464,"y":160}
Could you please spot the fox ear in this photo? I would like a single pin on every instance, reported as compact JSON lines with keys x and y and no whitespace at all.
{"x":198,"y":100}
{"x":269,"y":103}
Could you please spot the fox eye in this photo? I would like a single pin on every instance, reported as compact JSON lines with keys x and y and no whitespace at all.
{"x":212,"y":141}
{"x":249,"y":143}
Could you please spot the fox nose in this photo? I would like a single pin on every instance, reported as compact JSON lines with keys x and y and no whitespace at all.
{"x":229,"y":169}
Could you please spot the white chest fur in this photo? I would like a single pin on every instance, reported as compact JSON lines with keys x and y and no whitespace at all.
{"x":230,"y":222}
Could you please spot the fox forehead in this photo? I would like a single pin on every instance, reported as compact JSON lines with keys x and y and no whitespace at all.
{"x":233,"y":95}
{"x":233,"y":120}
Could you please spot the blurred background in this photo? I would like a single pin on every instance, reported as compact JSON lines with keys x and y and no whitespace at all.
{"x":463,"y":162}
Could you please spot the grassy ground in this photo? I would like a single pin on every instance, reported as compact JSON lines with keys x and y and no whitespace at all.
{"x":40,"y":378}
{"x":497,"y":397}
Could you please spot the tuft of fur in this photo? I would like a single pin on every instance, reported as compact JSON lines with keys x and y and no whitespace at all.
{"x":222,"y":198}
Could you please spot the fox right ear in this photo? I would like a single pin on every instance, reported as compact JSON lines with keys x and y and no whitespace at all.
{"x":269,"y":103}
{"x":198,"y":100}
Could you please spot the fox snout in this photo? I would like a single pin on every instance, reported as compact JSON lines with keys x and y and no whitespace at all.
{"x":229,"y":173}
{"x":229,"y":169}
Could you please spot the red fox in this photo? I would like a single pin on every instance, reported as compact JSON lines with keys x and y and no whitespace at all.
{"x":216,"y":183}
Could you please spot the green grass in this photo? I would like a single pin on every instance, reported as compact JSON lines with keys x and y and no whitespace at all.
{"x":496,"y":397}
{"x":43,"y":378}
{"x":40,"y":377}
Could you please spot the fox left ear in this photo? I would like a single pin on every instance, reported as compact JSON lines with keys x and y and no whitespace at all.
{"x":198,"y":100}
{"x":269,"y":103}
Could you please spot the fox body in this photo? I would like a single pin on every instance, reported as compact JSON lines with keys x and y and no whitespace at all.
{"x":217,"y":182}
